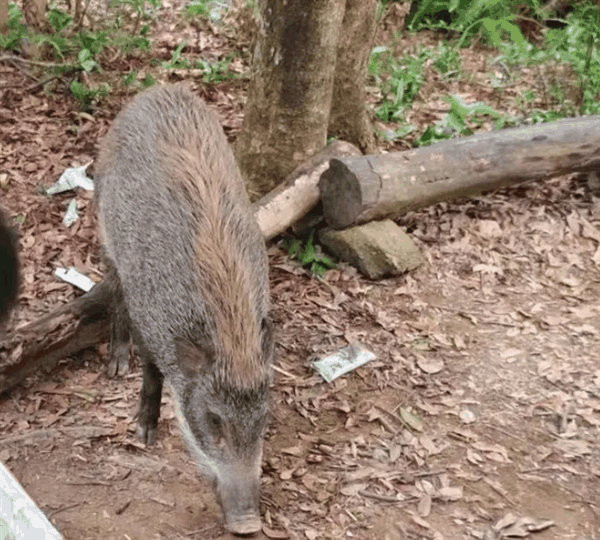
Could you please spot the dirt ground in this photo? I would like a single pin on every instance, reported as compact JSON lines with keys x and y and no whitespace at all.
{"x":479,"y":418}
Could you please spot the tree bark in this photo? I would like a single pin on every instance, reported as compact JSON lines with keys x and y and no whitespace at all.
{"x":357,"y":190}
{"x":299,"y":194}
{"x":34,"y":12}
{"x":289,"y":97}
{"x":3,"y":16}
{"x":349,"y":119}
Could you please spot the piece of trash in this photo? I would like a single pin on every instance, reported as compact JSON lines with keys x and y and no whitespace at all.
{"x":71,"y":214}
{"x":467,"y":416}
{"x":76,"y":278}
{"x":70,"y":179}
{"x":19,"y":515}
{"x":343,"y":361}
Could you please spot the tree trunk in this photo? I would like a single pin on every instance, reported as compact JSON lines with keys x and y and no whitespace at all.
{"x":34,"y":12}
{"x":299,"y":194}
{"x":349,"y":120}
{"x":3,"y":16}
{"x":357,"y":190}
{"x":289,"y":98}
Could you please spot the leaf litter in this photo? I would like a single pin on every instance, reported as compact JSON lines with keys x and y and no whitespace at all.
{"x":479,"y":418}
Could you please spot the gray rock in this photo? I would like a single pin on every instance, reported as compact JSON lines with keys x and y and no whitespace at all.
{"x":377,"y":249}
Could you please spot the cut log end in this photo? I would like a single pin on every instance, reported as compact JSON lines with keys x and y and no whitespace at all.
{"x":292,"y":199}
{"x":341,"y":194}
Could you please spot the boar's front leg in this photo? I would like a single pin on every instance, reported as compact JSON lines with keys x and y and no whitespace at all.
{"x":150,"y":396}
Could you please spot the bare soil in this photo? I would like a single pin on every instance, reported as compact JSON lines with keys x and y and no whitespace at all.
{"x":480,"y":417}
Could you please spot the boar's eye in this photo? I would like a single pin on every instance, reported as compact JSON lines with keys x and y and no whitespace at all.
{"x":215,"y":423}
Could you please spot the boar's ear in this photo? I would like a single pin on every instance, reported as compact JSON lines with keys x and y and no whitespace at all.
{"x":192,"y":358}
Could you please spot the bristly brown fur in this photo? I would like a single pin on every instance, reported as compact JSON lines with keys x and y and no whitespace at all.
{"x":214,"y":188}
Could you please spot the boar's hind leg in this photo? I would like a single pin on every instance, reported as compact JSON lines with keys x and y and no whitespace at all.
{"x":9,"y":267}
{"x":119,"y":344}
{"x":150,"y":395}
{"x":118,"y":363}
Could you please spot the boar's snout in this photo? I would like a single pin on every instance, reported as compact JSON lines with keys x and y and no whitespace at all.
{"x":244,"y":525}
{"x":239,"y":498}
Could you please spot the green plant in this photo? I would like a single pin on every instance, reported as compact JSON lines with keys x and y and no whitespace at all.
{"x":198,"y":8}
{"x":470,"y":18}
{"x":308,"y":255}
{"x":128,"y":42}
{"x":446,"y":61}
{"x":130,"y":78}
{"x":497,"y":31}
{"x":87,"y":96}
{"x":393,"y":134}
{"x":540,"y":117}
{"x":16,"y":29}
{"x":579,"y":46}
{"x":59,"y":20}
{"x":177,"y":61}
{"x":207,"y":9}
{"x":216,"y":71}
{"x":400,"y":80}
{"x":77,"y":49}
{"x":459,"y":119}
{"x":144,"y":9}
{"x":148,"y":81}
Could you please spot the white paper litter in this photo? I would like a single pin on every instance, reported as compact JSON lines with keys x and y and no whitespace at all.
{"x":71,"y":214}
{"x":343,"y":361}
{"x":71,"y":179}
{"x":76,"y":278}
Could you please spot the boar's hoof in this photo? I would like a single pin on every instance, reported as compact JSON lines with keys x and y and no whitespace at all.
{"x":119,"y":361}
{"x":244,"y":526}
{"x":146,"y":434}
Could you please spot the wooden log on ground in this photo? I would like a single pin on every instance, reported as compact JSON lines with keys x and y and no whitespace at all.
{"x":73,"y":327}
{"x":299,"y":193}
{"x":356,"y":190}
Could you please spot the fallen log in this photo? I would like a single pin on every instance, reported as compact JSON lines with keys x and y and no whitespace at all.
{"x":73,"y":327}
{"x":356,"y":190}
{"x":299,"y":193}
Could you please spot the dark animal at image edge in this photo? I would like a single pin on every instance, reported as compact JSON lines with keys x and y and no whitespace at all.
{"x":9,"y":268}
{"x":187,"y":265}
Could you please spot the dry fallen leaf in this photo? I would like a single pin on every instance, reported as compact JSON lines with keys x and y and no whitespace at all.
{"x":573,"y":447}
{"x":506,"y":521}
{"x":430,"y":365}
{"x":450,"y":493}
{"x":353,"y":489}
{"x":424,"y":506}
{"x":272,"y":533}
{"x":487,"y":269}
{"x":511,"y":526}
{"x":420,"y":521}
